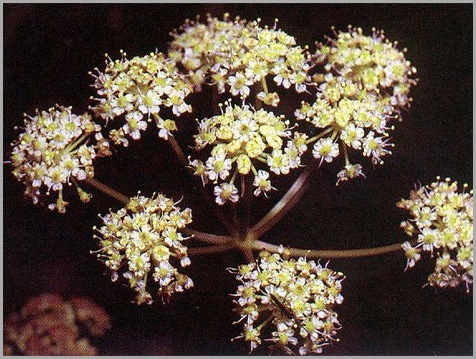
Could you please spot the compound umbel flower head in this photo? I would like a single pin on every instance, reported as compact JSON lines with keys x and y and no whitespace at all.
{"x":53,"y":151}
{"x":294,"y":297}
{"x":365,"y":85}
{"x":236,"y":54}
{"x":144,"y":239}
{"x":139,"y":89}
{"x":443,"y":224}
{"x":243,"y":140}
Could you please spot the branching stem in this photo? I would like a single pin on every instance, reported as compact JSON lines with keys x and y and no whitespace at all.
{"x":329,"y":254}
{"x":107,"y":190}
{"x":285,"y":204}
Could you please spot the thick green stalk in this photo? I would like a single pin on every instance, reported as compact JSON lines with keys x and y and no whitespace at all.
{"x":329,"y":254}
{"x":206,"y":237}
{"x":209,"y":250}
{"x":107,"y":190}
{"x":285,"y":204}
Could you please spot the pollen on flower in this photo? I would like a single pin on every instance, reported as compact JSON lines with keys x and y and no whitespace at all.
{"x":442,"y":222}
{"x":54,"y":152}
{"x":138,"y":88}
{"x":365,"y":85}
{"x":144,"y":240}
{"x":236,"y":54}
{"x":349,"y":172}
{"x":242,"y":140}
{"x":291,"y":301}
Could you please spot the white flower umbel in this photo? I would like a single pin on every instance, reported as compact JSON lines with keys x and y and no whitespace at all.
{"x":442,"y":222}
{"x":236,"y":54}
{"x":138,"y":88}
{"x":144,"y":240}
{"x":290,"y":301}
{"x":242,"y":141}
{"x":54,"y":151}
{"x":365,"y":85}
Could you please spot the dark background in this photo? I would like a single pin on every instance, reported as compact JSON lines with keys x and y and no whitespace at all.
{"x":48,"y":51}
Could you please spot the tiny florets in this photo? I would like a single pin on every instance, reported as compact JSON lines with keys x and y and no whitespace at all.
{"x":296,"y":297}
{"x":365,"y":84}
{"x":242,"y":139}
{"x":144,"y":238}
{"x":139,"y":88}
{"x":54,"y":151}
{"x":443,"y":225}
{"x":236,"y":54}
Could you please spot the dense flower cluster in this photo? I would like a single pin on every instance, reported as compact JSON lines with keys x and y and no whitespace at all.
{"x":241,"y":138}
{"x":296,"y":296}
{"x":139,"y":88}
{"x":443,"y":224}
{"x":49,"y":325}
{"x":144,"y":237}
{"x":365,"y":84}
{"x":237,"y":54}
{"x":54,"y":151}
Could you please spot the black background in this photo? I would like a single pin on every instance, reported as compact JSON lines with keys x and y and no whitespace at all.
{"x":48,"y":50}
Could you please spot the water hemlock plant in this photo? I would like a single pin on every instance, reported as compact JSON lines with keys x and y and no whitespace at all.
{"x":352,"y":89}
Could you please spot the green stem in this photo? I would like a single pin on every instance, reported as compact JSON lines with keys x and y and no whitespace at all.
{"x":285,"y":204}
{"x":206,"y":237}
{"x":246,"y":206}
{"x":178,"y":151}
{"x":346,"y":154}
{"x":209,"y":250}
{"x":264,"y":85}
{"x":107,"y":190}
{"x":202,"y":236}
{"x":75,"y":144}
{"x":330,"y":254}
{"x":322,"y":134}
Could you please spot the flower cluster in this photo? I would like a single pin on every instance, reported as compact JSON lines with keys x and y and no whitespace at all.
{"x":296,"y":296}
{"x":241,"y":138}
{"x":443,"y":224}
{"x":237,"y":54}
{"x":54,"y":150}
{"x":144,"y":237}
{"x":138,"y":88}
{"x":49,"y":325}
{"x":365,"y":84}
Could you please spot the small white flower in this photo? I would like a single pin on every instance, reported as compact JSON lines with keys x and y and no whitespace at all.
{"x":350,"y":172}
{"x":134,"y":124}
{"x":262,"y":183}
{"x":239,"y":85}
{"x":218,"y":167}
{"x":375,"y":147}
{"x":325,"y":149}
{"x":226,"y":192}
{"x":278,"y":162}
{"x":352,"y":136}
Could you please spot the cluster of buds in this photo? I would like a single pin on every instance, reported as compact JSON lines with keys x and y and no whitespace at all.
{"x":236,"y":55}
{"x":296,"y":297}
{"x":54,"y":151}
{"x":242,"y":138}
{"x":144,"y":238}
{"x":49,"y":325}
{"x":443,"y":224}
{"x":138,"y":88}
{"x":365,"y":84}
